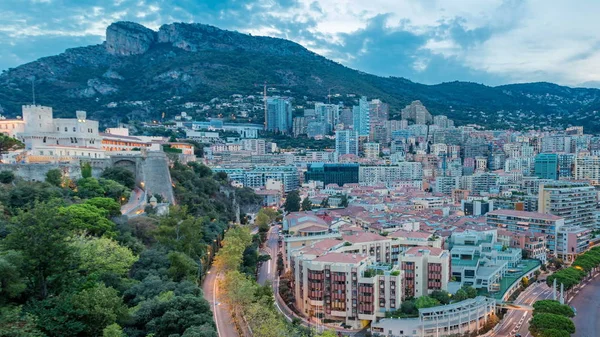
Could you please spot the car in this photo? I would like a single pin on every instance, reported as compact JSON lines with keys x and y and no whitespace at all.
{"x":518,"y":335}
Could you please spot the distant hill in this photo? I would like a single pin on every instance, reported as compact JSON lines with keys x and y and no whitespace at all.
{"x":140,"y":73}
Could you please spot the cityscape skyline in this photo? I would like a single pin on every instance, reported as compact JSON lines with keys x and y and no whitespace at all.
{"x":495,"y":42}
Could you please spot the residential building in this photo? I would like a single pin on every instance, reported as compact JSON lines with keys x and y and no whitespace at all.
{"x":572,"y":241}
{"x":588,"y":168}
{"x":403,"y":171}
{"x":576,"y":202}
{"x":528,"y":222}
{"x":371,"y":150}
{"x":417,"y":113}
{"x":425,"y":269}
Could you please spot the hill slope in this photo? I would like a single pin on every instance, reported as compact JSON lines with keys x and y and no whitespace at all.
{"x":141,"y":73}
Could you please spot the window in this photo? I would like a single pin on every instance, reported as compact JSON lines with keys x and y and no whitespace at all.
{"x":66,"y":129}
{"x":44,"y":140}
{"x":74,"y":129}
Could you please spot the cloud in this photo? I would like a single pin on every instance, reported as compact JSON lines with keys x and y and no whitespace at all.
{"x":429,"y":41}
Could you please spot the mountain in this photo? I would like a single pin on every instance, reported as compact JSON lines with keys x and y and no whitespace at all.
{"x":139,"y":73}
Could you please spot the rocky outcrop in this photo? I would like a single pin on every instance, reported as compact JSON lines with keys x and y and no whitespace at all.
{"x":128,"y":38}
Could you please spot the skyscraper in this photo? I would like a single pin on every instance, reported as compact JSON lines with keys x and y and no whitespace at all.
{"x":346,"y":142}
{"x":279,"y":115}
{"x":361,"y":117}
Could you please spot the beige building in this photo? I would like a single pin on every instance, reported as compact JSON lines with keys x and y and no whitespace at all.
{"x":425,"y":270}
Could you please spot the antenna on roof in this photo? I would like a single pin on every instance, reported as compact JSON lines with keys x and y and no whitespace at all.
{"x":33,"y":88}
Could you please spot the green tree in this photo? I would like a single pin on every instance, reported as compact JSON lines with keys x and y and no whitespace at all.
{"x":542,"y":322}
{"x":41,"y":238}
{"x":471,"y":292}
{"x":114,"y":190}
{"x":182,"y":232}
{"x":460,"y":295}
{"x":426,"y":302}
{"x":182,"y":267}
{"x":7,"y":177}
{"x":99,"y":256}
{"x":344,"y":201}
{"x":12,"y":283}
{"x":86,"y":313}
{"x":54,"y":177}
{"x":306,"y":204}
{"x":121,"y":175}
{"x":89,"y":188}
{"x":86,"y":170}
{"x":554,"y":333}
{"x":552,"y":307}
{"x":16,"y":323}
{"x":172,"y":316}
{"x":441,"y":296}
{"x":8,"y":144}
{"x":102,"y":307}
{"x":88,"y":218}
{"x":108,"y":204}
{"x":292,"y":202}
{"x":325,"y":203}
{"x":113,"y":330}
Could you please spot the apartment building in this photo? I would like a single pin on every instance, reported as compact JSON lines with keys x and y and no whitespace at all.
{"x":528,"y":222}
{"x":572,"y":241}
{"x":345,"y":287}
{"x":576,"y":202}
{"x":425,"y":270}
{"x":588,"y":168}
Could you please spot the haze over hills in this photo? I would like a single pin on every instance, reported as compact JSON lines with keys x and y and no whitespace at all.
{"x":141,"y":73}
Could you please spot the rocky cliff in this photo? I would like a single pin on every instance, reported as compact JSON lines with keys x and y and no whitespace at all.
{"x":128,"y":38}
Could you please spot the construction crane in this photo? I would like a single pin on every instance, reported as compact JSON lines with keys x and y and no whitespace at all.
{"x":265,"y":84}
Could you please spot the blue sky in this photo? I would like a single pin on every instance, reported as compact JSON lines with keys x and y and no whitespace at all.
{"x":428,"y":41}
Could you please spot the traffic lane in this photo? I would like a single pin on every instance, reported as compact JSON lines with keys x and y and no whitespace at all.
{"x":221,"y":316}
{"x":513,"y":317}
{"x":587,"y":304}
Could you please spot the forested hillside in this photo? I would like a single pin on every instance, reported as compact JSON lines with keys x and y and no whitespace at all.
{"x":70,"y":265}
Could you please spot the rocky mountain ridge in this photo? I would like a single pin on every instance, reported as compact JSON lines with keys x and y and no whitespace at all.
{"x":141,"y":73}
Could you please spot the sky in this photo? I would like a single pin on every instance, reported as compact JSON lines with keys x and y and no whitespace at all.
{"x":428,"y":41}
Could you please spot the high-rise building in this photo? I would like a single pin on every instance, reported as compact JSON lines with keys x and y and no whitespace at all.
{"x":362,"y":119}
{"x":279,"y":115}
{"x":332,"y":173}
{"x":566,"y":165}
{"x":574,"y":201}
{"x":546,"y":166}
{"x":300,"y":124}
{"x":416,"y":112}
{"x":346,"y":118}
{"x":346,"y":142}
{"x":329,"y":114}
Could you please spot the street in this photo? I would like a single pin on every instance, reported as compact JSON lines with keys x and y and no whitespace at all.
{"x":587,"y":304}
{"x":517,"y":321}
{"x":222,"y":318}
{"x":268,"y":269}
